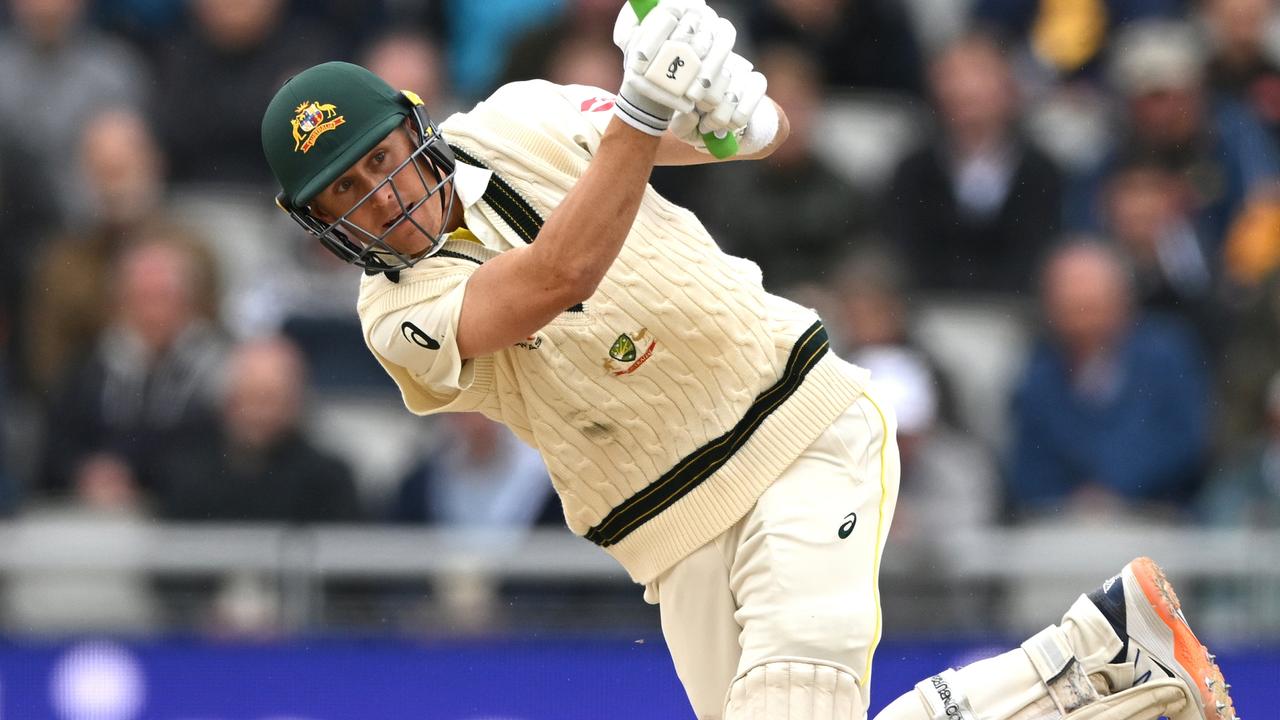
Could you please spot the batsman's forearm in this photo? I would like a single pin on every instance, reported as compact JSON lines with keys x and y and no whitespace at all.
{"x":584,"y":235}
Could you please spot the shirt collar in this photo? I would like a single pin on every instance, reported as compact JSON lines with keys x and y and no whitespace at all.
{"x":470,"y":182}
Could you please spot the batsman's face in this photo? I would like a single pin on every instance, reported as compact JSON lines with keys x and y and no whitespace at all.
{"x":384,"y":205}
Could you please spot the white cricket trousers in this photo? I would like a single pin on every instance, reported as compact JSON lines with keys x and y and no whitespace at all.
{"x":797,"y":576}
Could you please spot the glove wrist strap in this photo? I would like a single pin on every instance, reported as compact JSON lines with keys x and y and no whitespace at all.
{"x":638,"y":112}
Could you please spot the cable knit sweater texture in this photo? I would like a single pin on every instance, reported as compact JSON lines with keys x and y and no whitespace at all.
{"x":654,"y":373}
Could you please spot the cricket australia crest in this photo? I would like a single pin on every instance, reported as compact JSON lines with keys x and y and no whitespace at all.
{"x":310,"y":121}
{"x":625,"y":350}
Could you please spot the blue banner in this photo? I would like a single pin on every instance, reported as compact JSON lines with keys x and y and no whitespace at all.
{"x":486,"y":679}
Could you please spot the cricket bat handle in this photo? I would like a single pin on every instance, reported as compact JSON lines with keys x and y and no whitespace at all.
{"x":719,"y":146}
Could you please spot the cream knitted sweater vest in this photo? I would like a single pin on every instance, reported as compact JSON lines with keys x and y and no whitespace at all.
{"x":667,"y":403}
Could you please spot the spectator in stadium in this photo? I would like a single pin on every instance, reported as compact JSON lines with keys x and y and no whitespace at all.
{"x":69,"y":296}
{"x":975,"y":207}
{"x":8,"y":491}
{"x":1248,"y":361}
{"x":872,"y":306}
{"x":1243,"y":63}
{"x":412,"y":61}
{"x":1147,"y":216}
{"x":581,"y":27}
{"x":859,"y":44}
{"x":356,"y":24}
{"x":1216,"y":145}
{"x":55,"y":73}
{"x":945,"y":472}
{"x":584,"y":61}
{"x":146,"y":24}
{"x":26,"y":211}
{"x":258,"y":464}
{"x":793,"y":215}
{"x":1111,"y":412}
{"x":478,"y":476}
{"x":1244,"y":494}
{"x":215,"y":77}
{"x":1246,"y":490}
{"x":1066,"y":38}
{"x":476,"y":28}
{"x":948,"y":478}
{"x":152,"y":379}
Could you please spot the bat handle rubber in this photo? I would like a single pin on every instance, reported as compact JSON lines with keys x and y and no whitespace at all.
{"x":720,"y":147}
{"x":642,"y":7}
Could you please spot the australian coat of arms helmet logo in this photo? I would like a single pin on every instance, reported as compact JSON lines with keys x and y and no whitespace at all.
{"x":310,"y":121}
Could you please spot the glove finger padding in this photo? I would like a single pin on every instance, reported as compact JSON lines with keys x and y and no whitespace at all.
{"x":649,"y":37}
{"x":684,"y":125}
{"x":691,"y":127}
{"x":724,"y":36}
{"x":754,"y":88}
{"x":627,"y":21}
{"x":663,"y":58}
{"x":732,"y":86}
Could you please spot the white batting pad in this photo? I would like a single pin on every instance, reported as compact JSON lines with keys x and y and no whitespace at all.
{"x":795,"y":689}
{"x":1168,"y":697}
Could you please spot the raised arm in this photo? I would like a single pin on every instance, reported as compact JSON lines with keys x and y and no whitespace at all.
{"x":515,"y":294}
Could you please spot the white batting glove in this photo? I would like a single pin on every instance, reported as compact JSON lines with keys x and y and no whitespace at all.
{"x":663,"y":58}
{"x":731,"y":103}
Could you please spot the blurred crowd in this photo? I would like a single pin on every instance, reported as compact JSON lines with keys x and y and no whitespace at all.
{"x":1051,"y":228}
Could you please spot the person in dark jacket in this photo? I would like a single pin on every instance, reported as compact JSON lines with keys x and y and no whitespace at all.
{"x":152,"y":380}
{"x":976,"y":208}
{"x":215,"y":79}
{"x":259,"y":465}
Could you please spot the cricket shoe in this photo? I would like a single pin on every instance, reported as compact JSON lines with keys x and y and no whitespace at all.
{"x":1145,"y":613}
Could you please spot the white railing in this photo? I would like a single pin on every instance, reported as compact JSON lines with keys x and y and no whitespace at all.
{"x":1021,"y":561}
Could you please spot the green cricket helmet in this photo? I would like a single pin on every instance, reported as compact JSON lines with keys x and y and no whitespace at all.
{"x":320,"y":123}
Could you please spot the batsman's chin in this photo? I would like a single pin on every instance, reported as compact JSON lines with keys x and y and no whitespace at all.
{"x":408,"y":240}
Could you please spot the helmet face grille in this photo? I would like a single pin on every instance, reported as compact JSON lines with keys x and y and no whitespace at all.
{"x":368,"y":249}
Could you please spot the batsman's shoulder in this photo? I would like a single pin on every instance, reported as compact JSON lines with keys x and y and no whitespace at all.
{"x":523,"y":95}
{"x":430,"y":279}
{"x":531,"y":100}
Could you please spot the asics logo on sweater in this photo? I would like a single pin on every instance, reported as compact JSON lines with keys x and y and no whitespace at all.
{"x":415,"y":335}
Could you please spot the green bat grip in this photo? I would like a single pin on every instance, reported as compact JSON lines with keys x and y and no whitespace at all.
{"x":720,"y":147}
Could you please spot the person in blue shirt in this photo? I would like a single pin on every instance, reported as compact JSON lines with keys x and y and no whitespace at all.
{"x":1112,"y":409}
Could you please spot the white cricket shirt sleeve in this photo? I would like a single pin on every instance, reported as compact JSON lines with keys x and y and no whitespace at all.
{"x":422,"y":339}
{"x":595,"y":107}
{"x":576,"y":112}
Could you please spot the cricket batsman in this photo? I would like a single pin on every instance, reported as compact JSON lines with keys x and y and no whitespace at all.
{"x":696,"y":427}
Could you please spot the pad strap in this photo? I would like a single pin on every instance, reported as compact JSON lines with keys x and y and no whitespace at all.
{"x":1055,"y":662}
{"x":945,"y":697}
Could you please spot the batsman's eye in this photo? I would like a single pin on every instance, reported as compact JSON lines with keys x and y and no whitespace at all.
{"x":342,"y":185}
{"x":379,"y":157}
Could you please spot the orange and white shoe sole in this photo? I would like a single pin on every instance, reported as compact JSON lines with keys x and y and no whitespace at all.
{"x":1159,"y":626}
